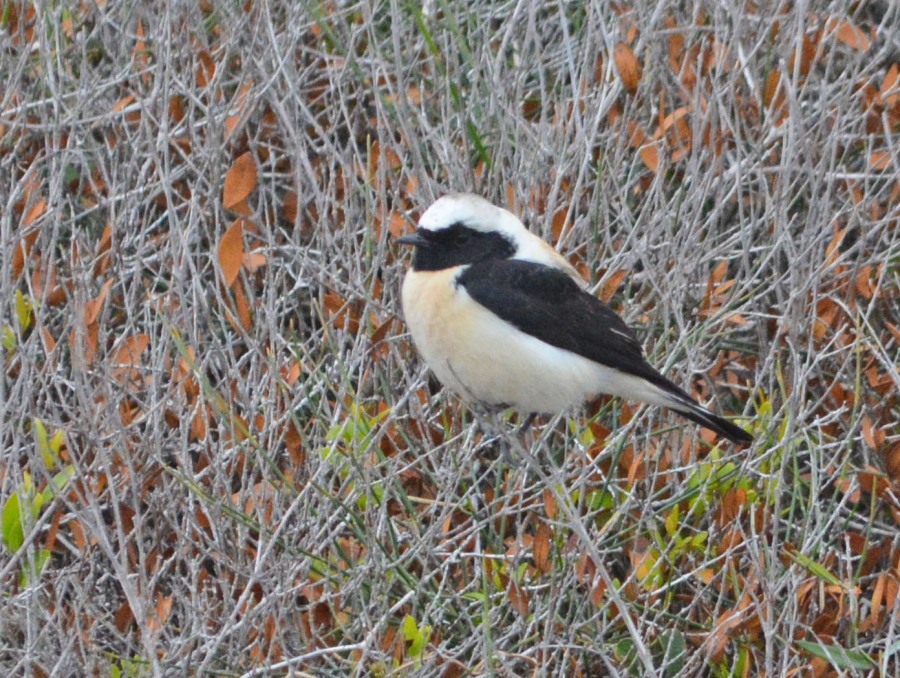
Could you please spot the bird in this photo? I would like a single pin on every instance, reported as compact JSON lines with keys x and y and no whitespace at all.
{"x":504,"y":320}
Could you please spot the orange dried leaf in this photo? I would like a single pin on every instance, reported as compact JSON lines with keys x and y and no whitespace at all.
{"x":725,"y":626}
{"x":585,"y":569}
{"x":293,"y":373}
{"x":518,"y":598}
{"x":240,"y":180}
{"x":22,"y":250}
{"x":643,"y":559}
{"x":35,"y":212}
{"x":636,"y":136}
{"x":199,"y":424}
{"x":676,"y":45}
{"x":232,"y":121}
{"x":890,"y":79}
{"x":773,"y":95}
{"x":163,"y":610}
{"x":88,"y":349}
{"x":289,"y":207}
{"x":677,"y":131}
{"x":895,"y":331}
{"x":832,"y":251}
{"x":243,"y":308}
{"x":129,"y":352}
{"x":334,"y":303}
{"x":541,"y":548}
{"x":140,"y":46}
{"x":808,"y":49}
{"x":650,"y":157}
{"x":864,"y":284}
{"x":123,"y":103}
{"x":92,"y":308}
{"x":231,"y":252}
{"x":612,"y":284}
{"x":880,"y":160}
{"x":891,"y":589}
{"x":242,"y":208}
{"x":103,"y":248}
{"x":176,"y":109}
{"x":615,"y":114}
{"x":718,"y":273}
{"x":873,"y":482}
{"x":123,"y":618}
{"x":396,"y":224}
{"x":559,"y":224}
{"x":877,"y":599}
{"x":637,"y":469}
{"x":851,"y":35}
{"x":549,"y":504}
{"x":722,"y":289}
{"x":631,"y":34}
{"x":78,"y":536}
{"x":868,"y":432}
{"x":253,"y":261}
{"x":688,"y":76}
{"x":628,"y":66}
{"x":50,"y":539}
{"x":206,"y":69}
{"x":383,"y":330}
{"x":736,"y":318}
{"x":511,"y":198}
{"x":48,"y":340}
{"x":341,"y":313}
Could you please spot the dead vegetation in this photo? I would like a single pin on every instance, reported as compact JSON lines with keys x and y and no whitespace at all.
{"x":220,"y":454}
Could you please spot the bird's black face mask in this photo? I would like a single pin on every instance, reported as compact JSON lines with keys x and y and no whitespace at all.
{"x":455,"y":246}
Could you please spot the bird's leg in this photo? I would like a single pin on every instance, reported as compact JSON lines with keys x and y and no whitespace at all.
{"x":523,"y":429}
{"x":497,"y":435}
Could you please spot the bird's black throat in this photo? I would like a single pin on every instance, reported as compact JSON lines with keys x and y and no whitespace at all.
{"x":458,"y":245}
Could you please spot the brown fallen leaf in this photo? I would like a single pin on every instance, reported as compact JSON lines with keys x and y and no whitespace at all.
{"x":231,"y":252}
{"x":628,"y":66}
{"x":240,"y":180}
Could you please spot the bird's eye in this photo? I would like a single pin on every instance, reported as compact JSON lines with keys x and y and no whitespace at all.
{"x":461,"y":237}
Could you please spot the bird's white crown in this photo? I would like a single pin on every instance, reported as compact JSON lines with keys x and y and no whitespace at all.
{"x":472,"y":211}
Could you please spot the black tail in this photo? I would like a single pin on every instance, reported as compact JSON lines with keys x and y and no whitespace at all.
{"x":686,"y":406}
{"x":715,"y":423}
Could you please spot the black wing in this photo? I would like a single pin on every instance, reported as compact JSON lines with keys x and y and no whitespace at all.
{"x":548,"y":304}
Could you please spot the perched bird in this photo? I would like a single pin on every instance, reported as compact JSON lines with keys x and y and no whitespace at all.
{"x":504,"y":320}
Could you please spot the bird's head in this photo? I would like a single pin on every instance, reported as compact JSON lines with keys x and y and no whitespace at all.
{"x":461,"y":228}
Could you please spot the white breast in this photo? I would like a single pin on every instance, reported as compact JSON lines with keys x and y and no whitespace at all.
{"x":483,"y":358}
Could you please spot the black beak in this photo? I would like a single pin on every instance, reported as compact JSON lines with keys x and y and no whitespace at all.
{"x":415,"y":238}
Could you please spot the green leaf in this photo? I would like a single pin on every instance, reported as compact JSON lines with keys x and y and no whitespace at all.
{"x":624,"y":649}
{"x":56,"y":443}
{"x":23,"y":311}
{"x":837,"y":656}
{"x":409,"y":628}
{"x":11,"y":522}
{"x":9,"y":338}
{"x":675,"y":652}
{"x":32,"y":570}
{"x":417,"y":636}
{"x":815,"y":568}
{"x":421,"y":639}
{"x":43,"y":443}
{"x":56,"y":485}
{"x":598,"y":500}
{"x":672,"y":521}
